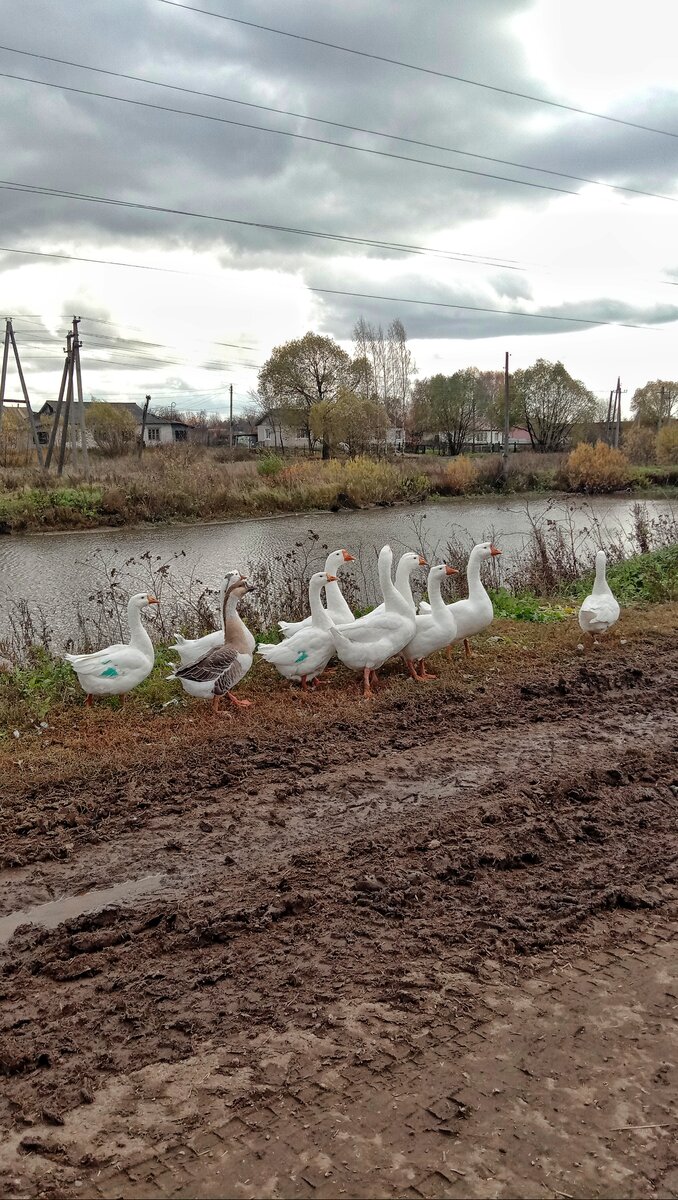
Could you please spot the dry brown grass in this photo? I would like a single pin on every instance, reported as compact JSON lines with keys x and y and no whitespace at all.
{"x":90,"y":743}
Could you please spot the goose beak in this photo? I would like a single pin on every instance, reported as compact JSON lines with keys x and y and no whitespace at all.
{"x":348,"y":557}
{"x":151,"y":600}
{"x":331,"y":579}
{"x":422,"y":562}
{"x":494,"y":552}
{"x":451,"y":571}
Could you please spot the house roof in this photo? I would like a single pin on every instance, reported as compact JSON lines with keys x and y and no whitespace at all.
{"x":132,"y":407}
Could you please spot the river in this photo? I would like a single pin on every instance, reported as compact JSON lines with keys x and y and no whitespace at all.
{"x":54,"y":572}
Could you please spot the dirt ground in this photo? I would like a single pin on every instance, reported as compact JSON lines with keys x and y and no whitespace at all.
{"x":422,"y":947}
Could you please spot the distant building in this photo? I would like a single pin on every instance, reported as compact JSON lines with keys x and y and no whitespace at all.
{"x":160,"y":431}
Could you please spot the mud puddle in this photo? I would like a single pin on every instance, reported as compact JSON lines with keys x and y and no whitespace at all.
{"x":55,"y":912}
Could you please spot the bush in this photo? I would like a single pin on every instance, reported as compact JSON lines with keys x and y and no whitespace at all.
{"x":270,"y":466}
{"x":461,"y":476}
{"x":640,"y":446}
{"x":667,"y":445}
{"x":597,"y":468}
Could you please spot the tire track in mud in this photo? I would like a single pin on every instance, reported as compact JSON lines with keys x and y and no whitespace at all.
{"x":466,"y":835}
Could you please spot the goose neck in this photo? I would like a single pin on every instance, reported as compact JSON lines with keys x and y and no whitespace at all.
{"x":438,"y":606}
{"x":475,"y":583}
{"x":320,"y":618}
{"x":139,"y":637}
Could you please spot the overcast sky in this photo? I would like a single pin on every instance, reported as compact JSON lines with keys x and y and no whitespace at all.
{"x":222,"y":295}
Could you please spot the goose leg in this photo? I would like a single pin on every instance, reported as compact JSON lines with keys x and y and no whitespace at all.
{"x":367,"y":691}
{"x":409,"y":662}
{"x":215,"y":704}
{"x":239,"y":703}
{"x":423,"y":673}
{"x":448,"y":652}
{"x":88,"y":699}
{"x":374,"y":677}
{"x":467,"y":649}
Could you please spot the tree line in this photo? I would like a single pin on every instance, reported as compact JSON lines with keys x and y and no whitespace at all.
{"x":313,"y":387}
{"x":353,"y":402}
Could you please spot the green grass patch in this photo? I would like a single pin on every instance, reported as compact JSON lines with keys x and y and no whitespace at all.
{"x":651,"y":578}
{"x":527,"y":608}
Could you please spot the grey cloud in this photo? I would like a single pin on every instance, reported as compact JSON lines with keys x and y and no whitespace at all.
{"x":104,"y":148}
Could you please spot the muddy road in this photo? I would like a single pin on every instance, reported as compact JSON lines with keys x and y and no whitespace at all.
{"x":280,"y":900}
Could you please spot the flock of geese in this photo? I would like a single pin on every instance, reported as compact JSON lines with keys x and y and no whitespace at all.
{"x":212,"y":666}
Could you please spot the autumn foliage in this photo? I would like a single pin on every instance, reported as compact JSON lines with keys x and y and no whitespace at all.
{"x":595,"y":469}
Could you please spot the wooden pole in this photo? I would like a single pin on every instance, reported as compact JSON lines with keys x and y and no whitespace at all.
{"x":67,"y":409}
{"x":3,"y":374}
{"x":617,"y":428}
{"x":230,"y":419}
{"x":55,"y":423}
{"x":660,"y":414}
{"x":81,"y":404}
{"x":24,"y":389}
{"x":143,"y":425}
{"x":608,"y":420}
{"x":507,"y":426}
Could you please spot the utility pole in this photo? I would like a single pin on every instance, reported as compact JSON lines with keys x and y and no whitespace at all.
{"x":617,"y":428}
{"x":608,"y":420}
{"x":230,"y":419}
{"x":11,"y":340}
{"x":661,"y":409}
{"x":81,"y":406}
{"x":143,"y":425}
{"x":507,"y":426}
{"x":57,"y":415}
{"x":69,"y":401}
{"x":3,"y":374}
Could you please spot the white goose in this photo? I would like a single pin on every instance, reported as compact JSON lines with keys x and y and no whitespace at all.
{"x":190,"y":650}
{"x":370,"y":641}
{"x":435,"y":629}
{"x":403,"y":584}
{"x":600,"y":610}
{"x":337,"y":607}
{"x":117,"y":669}
{"x":475,"y":613}
{"x":219,"y":671}
{"x":305,"y":654}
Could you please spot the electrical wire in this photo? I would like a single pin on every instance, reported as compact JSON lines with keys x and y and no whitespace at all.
{"x":303,"y":137}
{"x":345,"y":239}
{"x":505,"y":162}
{"x":35,"y":189}
{"x":424,"y":70}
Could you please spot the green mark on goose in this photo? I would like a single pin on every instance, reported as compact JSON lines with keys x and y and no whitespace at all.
{"x":109,"y":673}
{"x":302,"y":657}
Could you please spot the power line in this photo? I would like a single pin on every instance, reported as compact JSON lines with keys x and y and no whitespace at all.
{"x":511,"y":312}
{"x":469,"y":259}
{"x":303,"y":137}
{"x":57,"y":193}
{"x":396,"y":62}
{"x":465,"y":260}
{"x":372,"y":243}
{"x":506,"y":162}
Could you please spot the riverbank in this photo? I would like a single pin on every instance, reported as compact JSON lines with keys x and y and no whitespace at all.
{"x":191,"y":484}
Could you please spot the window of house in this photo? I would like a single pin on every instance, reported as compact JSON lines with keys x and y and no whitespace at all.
{"x":180,"y":435}
{"x":153,"y":434}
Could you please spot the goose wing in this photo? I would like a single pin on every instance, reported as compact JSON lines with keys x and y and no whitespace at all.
{"x":221,"y":667}
{"x":115,"y":662}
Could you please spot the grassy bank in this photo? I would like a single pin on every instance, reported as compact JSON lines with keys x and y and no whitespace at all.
{"x":41,"y":694}
{"x":74,"y":742}
{"x":191,"y":483}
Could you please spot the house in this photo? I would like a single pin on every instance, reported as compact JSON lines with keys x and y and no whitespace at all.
{"x":272,"y":434}
{"x":159,"y":430}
